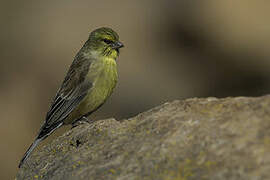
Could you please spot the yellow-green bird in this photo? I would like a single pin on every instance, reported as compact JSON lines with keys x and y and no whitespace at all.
{"x":90,"y":80}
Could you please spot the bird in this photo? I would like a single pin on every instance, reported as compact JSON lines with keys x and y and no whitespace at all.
{"x":89,"y":82}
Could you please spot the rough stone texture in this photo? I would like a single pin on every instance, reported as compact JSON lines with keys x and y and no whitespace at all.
{"x":190,"y":139}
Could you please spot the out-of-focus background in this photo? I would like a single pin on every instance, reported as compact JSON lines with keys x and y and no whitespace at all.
{"x":173,"y":50}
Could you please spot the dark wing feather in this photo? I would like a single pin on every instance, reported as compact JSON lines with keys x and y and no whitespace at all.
{"x":73,"y":90}
{"x":69,"y":96}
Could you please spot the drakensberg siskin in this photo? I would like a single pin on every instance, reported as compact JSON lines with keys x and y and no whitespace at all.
{"x":90,"y":80}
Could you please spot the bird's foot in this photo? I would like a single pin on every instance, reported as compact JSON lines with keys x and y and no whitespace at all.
{"x":83,"y":120}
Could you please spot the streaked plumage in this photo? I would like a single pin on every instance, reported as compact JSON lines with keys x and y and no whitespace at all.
{"x":90,"y":80}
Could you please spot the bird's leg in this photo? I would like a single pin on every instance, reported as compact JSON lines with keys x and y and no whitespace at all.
{"x":85,"y":119}
{"x":82,"y":120}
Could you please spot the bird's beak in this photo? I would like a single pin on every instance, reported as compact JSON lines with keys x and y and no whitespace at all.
{"x":117,"y":45}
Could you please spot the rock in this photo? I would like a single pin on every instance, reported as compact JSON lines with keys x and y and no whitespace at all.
{"x":191,"y":139}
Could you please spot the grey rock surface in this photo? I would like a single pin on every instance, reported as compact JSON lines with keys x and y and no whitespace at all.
{"x":206,"y":138}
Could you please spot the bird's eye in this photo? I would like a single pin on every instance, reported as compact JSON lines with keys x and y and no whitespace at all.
{"x":107,"y":41}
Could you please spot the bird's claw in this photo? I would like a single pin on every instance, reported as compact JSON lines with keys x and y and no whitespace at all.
{"x":83,"y":120}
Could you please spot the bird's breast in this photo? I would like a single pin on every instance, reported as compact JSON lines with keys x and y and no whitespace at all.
{"x":104,"y":76}
{"x":106,"y":79}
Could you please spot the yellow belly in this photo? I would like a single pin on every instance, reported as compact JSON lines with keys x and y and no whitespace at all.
{"x":103,"y":85}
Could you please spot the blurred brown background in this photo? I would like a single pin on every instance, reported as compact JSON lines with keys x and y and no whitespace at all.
{"x":173,"y":50}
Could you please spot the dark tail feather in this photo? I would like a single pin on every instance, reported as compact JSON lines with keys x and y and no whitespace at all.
{"x":29,"y":150}
{"x":43,"y":134}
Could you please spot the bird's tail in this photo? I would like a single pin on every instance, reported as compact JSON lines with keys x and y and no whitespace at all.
{"x":43,"y":134}
{"x":29,"y":150}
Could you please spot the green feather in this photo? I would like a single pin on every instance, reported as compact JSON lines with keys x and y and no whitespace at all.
{"x":90,"y":80}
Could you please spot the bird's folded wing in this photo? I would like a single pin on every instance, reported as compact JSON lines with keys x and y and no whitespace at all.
{"x":69,"y":96}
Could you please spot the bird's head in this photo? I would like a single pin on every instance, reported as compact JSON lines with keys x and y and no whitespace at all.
{"x":105,"y":41}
